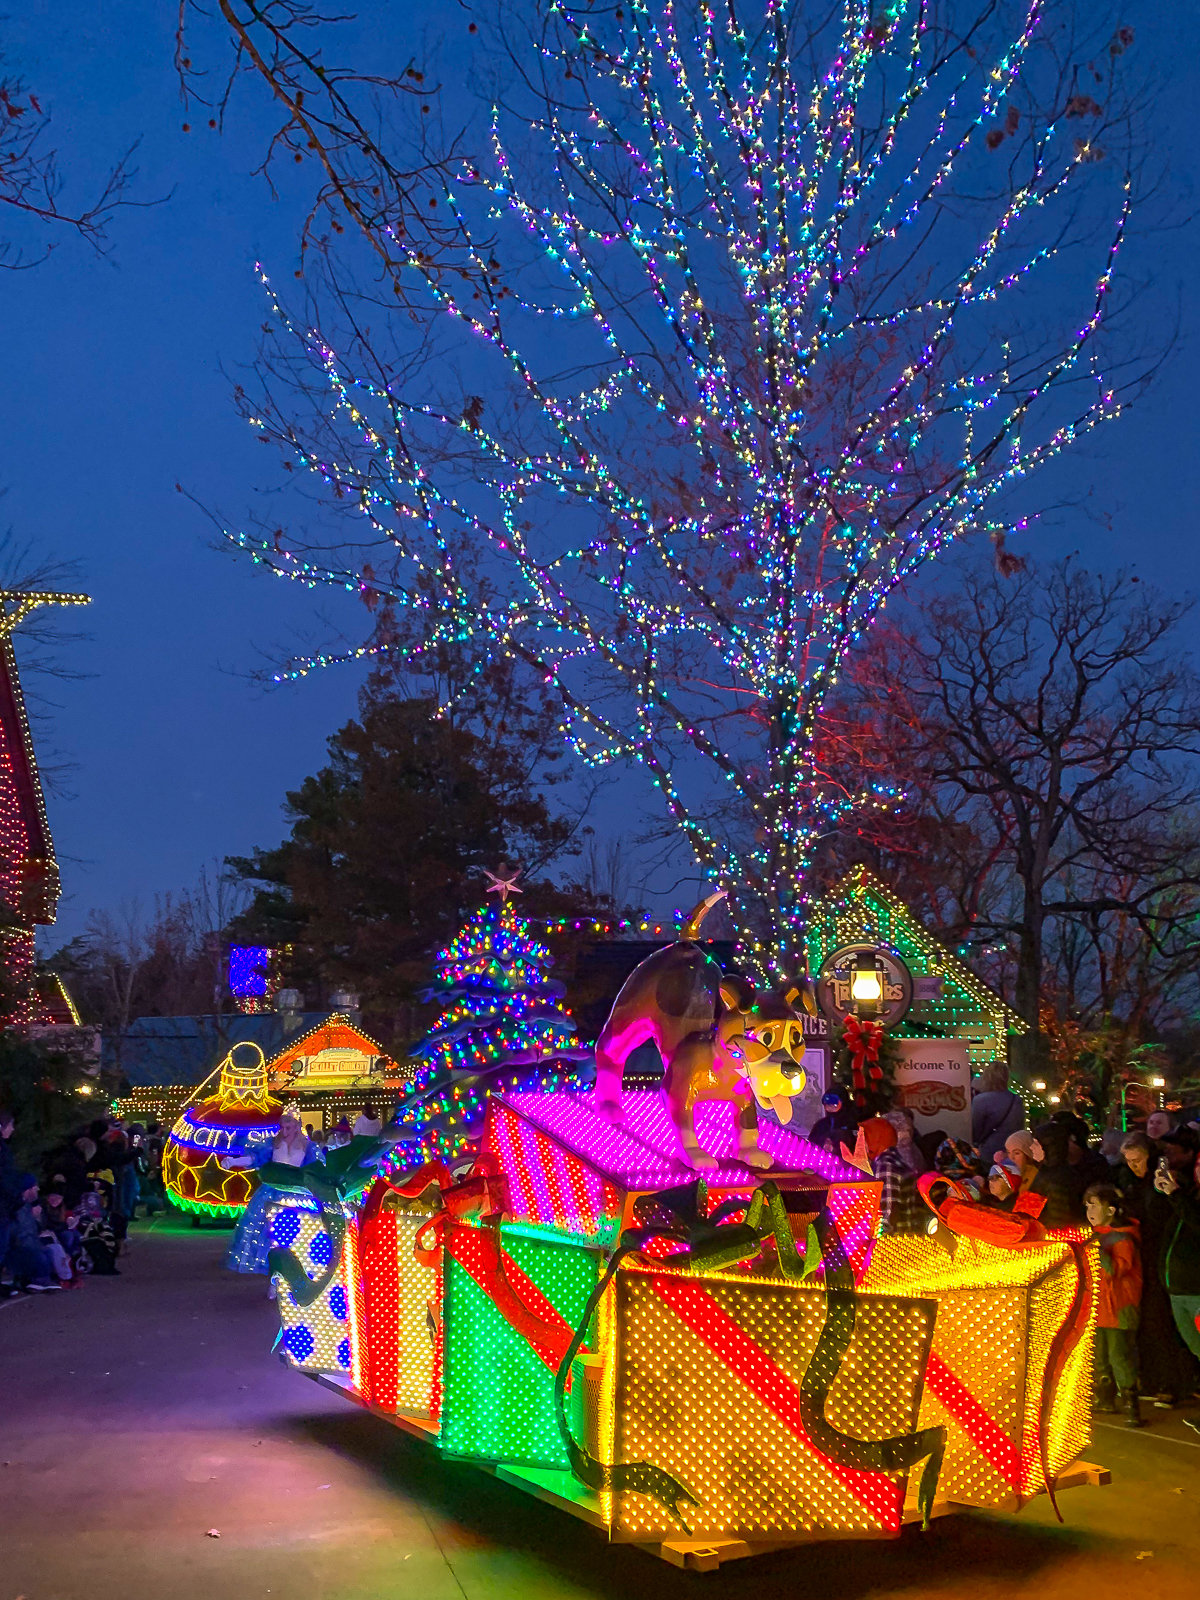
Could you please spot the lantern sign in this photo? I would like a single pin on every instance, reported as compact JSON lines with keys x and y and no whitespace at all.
{"x":865,"y":980}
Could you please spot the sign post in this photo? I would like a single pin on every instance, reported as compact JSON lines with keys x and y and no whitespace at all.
{"x":933,"y":1081}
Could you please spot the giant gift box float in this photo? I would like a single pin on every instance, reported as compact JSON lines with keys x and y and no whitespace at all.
{"x":704,"y":1364}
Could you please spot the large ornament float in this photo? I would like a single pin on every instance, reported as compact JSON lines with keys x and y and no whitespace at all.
{"x":705,"y":1366}
{"x":240,"y":1120}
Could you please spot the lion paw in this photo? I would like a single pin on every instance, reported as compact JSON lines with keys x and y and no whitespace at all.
{"x":701,"y":1160}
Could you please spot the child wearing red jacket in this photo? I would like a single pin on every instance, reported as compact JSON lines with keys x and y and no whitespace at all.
{"x":1118,"y":1300}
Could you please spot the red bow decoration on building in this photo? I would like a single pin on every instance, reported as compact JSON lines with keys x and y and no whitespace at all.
{"x":864,"y":1040}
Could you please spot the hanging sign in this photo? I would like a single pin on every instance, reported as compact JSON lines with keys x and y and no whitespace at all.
{"x":933,"y":1080}
{"x":836,"y":980}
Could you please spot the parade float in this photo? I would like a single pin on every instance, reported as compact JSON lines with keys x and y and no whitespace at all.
{"x":236,"y":1123}
{"x":670,"y":1317}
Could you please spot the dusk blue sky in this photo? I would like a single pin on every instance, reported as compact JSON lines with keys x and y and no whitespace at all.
{"x":115,"y":391}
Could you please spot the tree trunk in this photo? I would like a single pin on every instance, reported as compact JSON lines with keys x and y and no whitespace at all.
{"x":1029,"y":1051}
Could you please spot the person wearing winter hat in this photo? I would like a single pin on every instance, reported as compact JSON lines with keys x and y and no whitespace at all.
{"x":1118,"y":1302}
{"x":1019,"y":1148}
{"x":1004,"y":1182}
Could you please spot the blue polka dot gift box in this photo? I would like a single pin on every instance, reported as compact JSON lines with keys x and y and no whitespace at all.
{"x":316,"y":1337}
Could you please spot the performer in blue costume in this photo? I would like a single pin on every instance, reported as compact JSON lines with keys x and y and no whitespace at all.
{"x":252,"y":1237}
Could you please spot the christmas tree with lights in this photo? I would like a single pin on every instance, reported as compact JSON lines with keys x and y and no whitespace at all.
{"x":503,"y":1026}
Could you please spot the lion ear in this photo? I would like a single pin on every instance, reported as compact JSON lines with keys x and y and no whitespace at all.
{"x":798,"y":990}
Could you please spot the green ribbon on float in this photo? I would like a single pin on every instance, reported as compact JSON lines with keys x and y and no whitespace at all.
{"x":331,"y":1183}
{"x":712,"y":1245}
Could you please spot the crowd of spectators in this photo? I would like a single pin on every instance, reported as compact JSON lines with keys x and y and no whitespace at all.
{"x":69,"y":1220}
{"x":1138,"y":1193}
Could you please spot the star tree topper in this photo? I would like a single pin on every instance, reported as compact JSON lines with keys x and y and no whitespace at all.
{"x":503,"y":882}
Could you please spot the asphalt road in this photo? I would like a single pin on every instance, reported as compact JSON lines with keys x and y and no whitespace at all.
{"x":139,"y":1413}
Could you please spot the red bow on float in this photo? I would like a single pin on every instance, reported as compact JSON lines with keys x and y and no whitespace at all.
{"x":864,"y":1040}
{"x":481,"y":1194}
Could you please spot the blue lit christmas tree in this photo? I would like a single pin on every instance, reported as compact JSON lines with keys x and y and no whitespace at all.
{"x":503,"y":1026}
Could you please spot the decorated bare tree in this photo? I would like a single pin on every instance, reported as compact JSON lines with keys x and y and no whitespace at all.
{"x":749,"y":310}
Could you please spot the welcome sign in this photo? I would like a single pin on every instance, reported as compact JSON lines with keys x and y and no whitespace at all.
{"x":933,"y":1081}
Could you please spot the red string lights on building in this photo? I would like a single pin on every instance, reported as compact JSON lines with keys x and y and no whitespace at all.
{"x":29,"y":882}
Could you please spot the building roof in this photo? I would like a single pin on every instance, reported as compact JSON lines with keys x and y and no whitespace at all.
{"x":34,"y":896}
{"x":175,"y":1050}
{"x":334,"y":1032}
{"x":885,"y":919}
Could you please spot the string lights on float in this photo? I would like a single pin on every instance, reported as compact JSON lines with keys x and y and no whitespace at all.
{"x":504,"y":1028}
{"x":240,"y":1119}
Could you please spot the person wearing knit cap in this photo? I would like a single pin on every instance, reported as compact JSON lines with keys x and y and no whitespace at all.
{"x":1021,"y":1148}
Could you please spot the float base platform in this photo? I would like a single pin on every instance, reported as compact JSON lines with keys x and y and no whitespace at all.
{"x":562,"y":1490}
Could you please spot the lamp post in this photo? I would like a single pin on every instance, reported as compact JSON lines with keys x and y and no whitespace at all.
{"x":1156,"y":1082}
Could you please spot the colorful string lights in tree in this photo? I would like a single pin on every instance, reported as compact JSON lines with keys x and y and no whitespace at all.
{"x":754,"y":327}
{"x":503,"y":1026}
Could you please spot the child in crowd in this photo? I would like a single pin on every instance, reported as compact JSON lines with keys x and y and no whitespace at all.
{"x":96,"y":1235}
{"x":63,"y":1227}
{"x":1118,"y":1298}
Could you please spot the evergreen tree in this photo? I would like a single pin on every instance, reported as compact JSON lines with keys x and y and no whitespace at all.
{"x":500,"y":1009}
{"x":503,"y":1025}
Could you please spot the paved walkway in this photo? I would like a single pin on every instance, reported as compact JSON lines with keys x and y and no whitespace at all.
{"x":141,"y":1411}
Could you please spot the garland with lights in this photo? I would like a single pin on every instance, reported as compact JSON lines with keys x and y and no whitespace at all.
{"x":753,"y":332}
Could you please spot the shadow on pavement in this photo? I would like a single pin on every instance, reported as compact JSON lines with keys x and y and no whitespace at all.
{"x":467,"y":1508}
